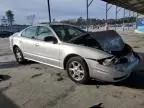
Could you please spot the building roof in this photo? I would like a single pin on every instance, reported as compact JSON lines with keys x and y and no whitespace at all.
{"x":134,"y":5}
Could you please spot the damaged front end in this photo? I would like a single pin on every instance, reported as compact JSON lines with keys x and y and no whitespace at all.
{"x":122,"y":60}
{"x":122,"y":64}
{"x":118,"y":67}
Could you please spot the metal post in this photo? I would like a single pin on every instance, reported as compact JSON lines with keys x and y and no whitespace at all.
{"x":129,"y":13}
{"x":106,"y":12}
{"x":116,"y":18}
{"x":129,"y":21}
{"x":137,"y":15}
{"x":124,"y":21}
{"x":87,"y":7}
{"x":133,"y":21}
{"x":133,"y":14}
{"x":106,"y":20}
{"x":49,"y":11}
{"x":87,"y":14}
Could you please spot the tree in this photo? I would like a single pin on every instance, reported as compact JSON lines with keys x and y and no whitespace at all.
{"x":10,"y":17}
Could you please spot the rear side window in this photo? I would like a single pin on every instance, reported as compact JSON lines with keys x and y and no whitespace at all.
{"x":30,"y":32}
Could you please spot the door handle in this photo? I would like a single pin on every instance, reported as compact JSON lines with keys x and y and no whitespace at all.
{"x":36,"y":44}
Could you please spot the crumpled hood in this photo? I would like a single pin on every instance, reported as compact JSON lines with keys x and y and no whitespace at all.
{"x":109,"y":40}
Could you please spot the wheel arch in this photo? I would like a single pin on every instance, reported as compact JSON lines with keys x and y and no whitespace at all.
{"x":70,"y":56}
{"x":14,"y":46}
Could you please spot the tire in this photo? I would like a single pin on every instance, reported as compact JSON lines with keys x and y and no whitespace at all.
{"x":19,"y":56}
{"x":77,"y":70}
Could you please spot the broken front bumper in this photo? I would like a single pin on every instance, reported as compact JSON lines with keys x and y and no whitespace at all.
{"x":113,"y":73}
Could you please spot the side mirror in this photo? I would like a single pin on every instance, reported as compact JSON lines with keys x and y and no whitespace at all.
{"x":51,"y":39}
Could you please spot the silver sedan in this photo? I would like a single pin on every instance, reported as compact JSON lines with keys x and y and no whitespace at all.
{"x":100,"y":55}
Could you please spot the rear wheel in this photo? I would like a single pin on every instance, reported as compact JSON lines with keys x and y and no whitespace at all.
{"x":77,"y":70}
{"x":19,"y":56}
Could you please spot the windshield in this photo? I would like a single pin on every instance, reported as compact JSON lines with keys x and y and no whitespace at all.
{"x":66,"y":33}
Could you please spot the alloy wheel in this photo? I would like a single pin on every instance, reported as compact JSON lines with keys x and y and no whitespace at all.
{"x":76,"y":70}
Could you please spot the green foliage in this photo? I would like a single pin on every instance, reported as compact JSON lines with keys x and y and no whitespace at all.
{"x":10,"y":17}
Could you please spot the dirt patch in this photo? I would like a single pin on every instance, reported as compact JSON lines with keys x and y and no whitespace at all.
{"x":3,"y":54}
{"x":5,"y":88}
{"x":37,"y":68}
{"x":8,"y":64}
{"x":117,"y":94}
{"x":59,"y":77}
{"x":37,"y":75}
{"x":4,"y":77}
{"x":97,"y":106}
{"x":136,"y":46}
{"x":62,"y":96}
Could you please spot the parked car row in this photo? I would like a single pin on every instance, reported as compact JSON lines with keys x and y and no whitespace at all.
{"x":4,"y":34}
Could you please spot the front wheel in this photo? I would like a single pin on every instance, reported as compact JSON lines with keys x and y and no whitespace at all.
{"x":77,"y":70}
{"x":19,"y":56}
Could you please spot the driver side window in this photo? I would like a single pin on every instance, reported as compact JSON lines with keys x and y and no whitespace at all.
{"x":44,"y":32}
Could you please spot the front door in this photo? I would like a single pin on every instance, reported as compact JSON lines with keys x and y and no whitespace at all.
{"x":47,"y":52}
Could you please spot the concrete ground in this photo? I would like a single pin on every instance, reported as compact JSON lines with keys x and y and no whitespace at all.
{"x":39,"y":86}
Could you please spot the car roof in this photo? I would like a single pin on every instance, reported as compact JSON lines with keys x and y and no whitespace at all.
{"x":50,"y":24}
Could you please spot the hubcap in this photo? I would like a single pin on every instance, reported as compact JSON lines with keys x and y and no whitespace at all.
{"x":18,"y":55}
{"x":76,"y":70}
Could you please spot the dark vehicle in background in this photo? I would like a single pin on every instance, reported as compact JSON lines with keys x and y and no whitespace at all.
{"x":5,"y":34}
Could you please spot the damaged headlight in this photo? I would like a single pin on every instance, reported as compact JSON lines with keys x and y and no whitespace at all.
{"x":108,"y":61}
{"x":112,"y":60}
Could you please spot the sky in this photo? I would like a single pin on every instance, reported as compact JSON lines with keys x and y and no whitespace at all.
{"x":60,"y":9}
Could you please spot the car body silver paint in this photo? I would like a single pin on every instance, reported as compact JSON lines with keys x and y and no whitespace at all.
{"x":55,"y":54}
